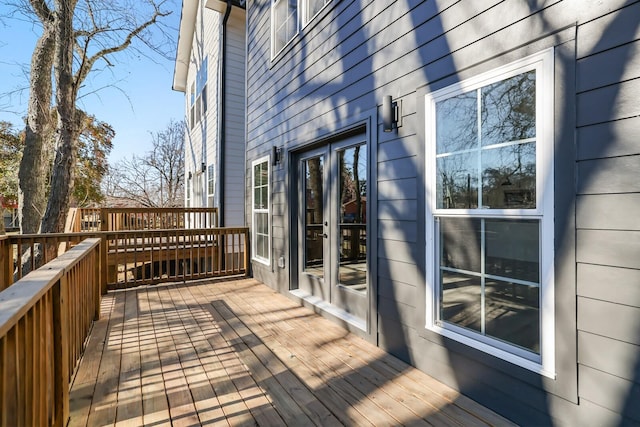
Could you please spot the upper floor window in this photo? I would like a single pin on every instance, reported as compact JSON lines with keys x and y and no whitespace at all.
{"x":286,"y":22}
{"x":198,"y":93}
{"x":490,"y":212}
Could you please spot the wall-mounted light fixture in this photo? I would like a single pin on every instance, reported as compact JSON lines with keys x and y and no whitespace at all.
{"x":389,"y":114}
{"x":190,"y":175}
{"x":277,"y":155}
{"x":204,"y":167}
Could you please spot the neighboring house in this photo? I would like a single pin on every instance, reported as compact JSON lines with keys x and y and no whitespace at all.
{"x":500,"y":249}
{"x":210,"y":70}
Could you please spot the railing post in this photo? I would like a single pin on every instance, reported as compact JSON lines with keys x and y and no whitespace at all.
{"x":97,"y":280}
{"x":103,"y":263}
{"x":6,"y":269}
{"x":61,"y":352}
{"x":246,"y":252}
{"x":104,"y":220}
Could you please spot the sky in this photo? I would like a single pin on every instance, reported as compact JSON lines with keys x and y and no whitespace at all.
{"x":134,"y":96}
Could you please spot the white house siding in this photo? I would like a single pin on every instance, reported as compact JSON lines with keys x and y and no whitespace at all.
{"x":206,"y":42}
{"x":357,"y":51}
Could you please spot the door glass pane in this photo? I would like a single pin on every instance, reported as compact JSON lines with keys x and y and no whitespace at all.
{"x":352,"y":224}
{"x":313,"y":217}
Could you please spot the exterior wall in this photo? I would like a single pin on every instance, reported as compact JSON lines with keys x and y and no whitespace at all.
{"x":202,"y":140}
{"x":337,"y":70}
{"x":235,"y":120}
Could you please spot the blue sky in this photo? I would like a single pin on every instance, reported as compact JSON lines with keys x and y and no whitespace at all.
{"x":137,"y":99}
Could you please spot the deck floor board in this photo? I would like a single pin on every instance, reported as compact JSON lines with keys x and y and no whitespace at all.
{"x":228,"y":353}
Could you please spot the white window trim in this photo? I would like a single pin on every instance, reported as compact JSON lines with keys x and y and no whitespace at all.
{"x":254,"y":256}
{"x":543,"y":63}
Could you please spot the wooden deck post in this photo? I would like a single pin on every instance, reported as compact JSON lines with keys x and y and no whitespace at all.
{"x":61,"y":352}
{"x":103,"y":264}
{"x":6,"y":265}
{"x":246,"y":252}
{"x":97,"y":277}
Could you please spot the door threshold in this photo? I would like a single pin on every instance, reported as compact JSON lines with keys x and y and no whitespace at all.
{"x":330,"y":309}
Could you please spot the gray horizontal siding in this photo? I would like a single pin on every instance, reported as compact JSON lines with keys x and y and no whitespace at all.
{"x":611,"y":392}
{"x":609,"y":211}
{"x":614,"y":357}
{"x":616,"y":321}
{"x":609,"y":247}
{"x":610,"y":139}
{"x":606,"y":283}
{"x":356,"y":52}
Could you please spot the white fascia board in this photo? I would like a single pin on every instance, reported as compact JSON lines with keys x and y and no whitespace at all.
{"x":185,"y":40}
{"x":217,"y":5}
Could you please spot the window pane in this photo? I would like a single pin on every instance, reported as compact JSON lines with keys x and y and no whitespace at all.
{"x":457,"y":181}
{"x":460,"y":243}
{"x":509,"y":109}
{"x":257,"y":178}
{"x":509,"y":177}
{"x":513,"y":249}
{"x":285,"y":22}
{"x":457,"y":123}
{"x":262,"y":220}
{"x":460,"y":300}
{"x":257,"y":203}
{"x":313,"y":7}
{"x":513,"y":313}
{"x":260,"y":245}
{"x":204,"y":99}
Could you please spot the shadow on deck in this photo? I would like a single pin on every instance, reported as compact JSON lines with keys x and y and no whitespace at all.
{"x":236,"y":352}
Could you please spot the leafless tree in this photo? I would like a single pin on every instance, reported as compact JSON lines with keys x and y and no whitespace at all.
{"x":155,"y":179}
{"x":78,"y":36}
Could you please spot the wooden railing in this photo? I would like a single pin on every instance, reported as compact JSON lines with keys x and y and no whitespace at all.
{"x":45,"y":318}
{"x":147,"y":257}
{"x":118,"y":219}
{"x":22,"y":253}
{"x":133,"y":258}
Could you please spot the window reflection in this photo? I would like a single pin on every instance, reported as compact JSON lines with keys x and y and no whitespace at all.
{"x":457,"y":186}
{"x":314,"y":217}
{"x":456,"y":123}
{"x":461,"y":299}
{"x":489,"y":277}
{"x":353,"y":218}
{"x":509,"y":109}
{"x":513,"y":313}
{"x":509,"y":177}
{"x":502,"y":155}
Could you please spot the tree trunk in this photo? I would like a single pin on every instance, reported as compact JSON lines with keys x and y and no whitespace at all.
{"x":36,"y":159}
{"x":67,"y":129}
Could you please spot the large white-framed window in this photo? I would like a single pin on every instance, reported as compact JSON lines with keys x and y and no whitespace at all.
{"x":288,"y":17}
{"x":261,"y":242}
{"x":489,"y":205}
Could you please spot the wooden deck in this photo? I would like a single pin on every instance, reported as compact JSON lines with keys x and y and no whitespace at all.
{"x":237,"y":353}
